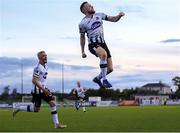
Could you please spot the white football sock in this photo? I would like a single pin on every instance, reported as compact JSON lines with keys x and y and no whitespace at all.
{"x":84,"y":109}
{"x":54,"y":115}
{"x":29,"y":108}
{"x":103,"y":66}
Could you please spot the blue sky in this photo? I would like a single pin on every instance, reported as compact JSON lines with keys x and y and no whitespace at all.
{"x":145,"y":44}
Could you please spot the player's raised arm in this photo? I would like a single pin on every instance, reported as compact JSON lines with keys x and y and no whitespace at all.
{"x":115,"y":18}
{"x":82,"y":43}
{"x":85,"y":89}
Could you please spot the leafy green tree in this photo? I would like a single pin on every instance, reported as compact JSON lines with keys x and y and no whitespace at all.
{"x":14,"y":94}
{"x":176,"y":81}
{"x":5,"y":93}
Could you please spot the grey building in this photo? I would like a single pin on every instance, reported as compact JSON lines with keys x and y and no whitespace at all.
{"x":160,"y":87}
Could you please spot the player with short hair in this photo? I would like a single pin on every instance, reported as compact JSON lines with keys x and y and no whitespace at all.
{"x":79,"y":92}
{"x":92,"y":25}
{"x":41,"y":91}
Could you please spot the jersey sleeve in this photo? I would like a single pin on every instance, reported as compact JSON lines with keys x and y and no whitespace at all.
{"x":36,"y":72}
{"x":103,"y":16}
{"x":82,"y":29}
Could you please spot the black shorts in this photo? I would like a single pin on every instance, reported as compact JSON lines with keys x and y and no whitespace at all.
{"x":93,"y":46}
{"x":83,"y":98}
{"x":78,"y":98}
{"x":38,"y":97}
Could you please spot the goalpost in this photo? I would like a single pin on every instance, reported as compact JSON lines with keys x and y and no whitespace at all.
{"x":26,"y":99}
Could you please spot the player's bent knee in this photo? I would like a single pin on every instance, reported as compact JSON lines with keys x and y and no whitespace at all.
{"x":101,"y":53}
{"x":110,"y":70}
{"x":36,"y":109}
{"x":103,"y":56}
{"x":52,"y":103}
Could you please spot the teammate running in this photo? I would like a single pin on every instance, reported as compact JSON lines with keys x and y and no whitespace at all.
{"x":41,"y":91}
{"x":79,"y":92}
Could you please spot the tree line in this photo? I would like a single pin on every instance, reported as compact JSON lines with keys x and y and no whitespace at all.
{"x":105,"y":94}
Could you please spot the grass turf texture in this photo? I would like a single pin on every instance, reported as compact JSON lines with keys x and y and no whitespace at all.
{"x":99,"y":119}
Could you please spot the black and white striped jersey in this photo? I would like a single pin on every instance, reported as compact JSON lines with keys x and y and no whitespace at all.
{"x":93,"y":27}
{"x":80,"y":92}
{"x":41,"y":72}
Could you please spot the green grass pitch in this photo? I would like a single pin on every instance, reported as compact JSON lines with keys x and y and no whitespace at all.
{"x":99,"y":119}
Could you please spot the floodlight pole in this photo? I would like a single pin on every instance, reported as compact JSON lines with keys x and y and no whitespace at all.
{"x":21,"y":77}
{"x":62,"y":78}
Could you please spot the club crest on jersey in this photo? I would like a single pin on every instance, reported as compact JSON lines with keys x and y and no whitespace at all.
{"x":95,"y":25}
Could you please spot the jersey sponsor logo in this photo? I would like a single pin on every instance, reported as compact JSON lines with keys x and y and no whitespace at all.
{"x":95,"y":25}
{"x":45,"y":75}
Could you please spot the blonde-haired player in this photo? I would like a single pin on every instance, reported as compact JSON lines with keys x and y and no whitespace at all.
{"x":40,"y":91}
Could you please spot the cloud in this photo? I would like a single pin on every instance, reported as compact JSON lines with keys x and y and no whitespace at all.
{"x":9,"y":64}
{"x":134,"y":8}
{"x":8,"y":38}
{"x":140,"y":78}
{"x":131,"y":8}
{"x":74,"y":67}
{"x":170,"y":41}
{"x":10,"y":73}
{"x":69,"y":37}
{"x":131,"y":78}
